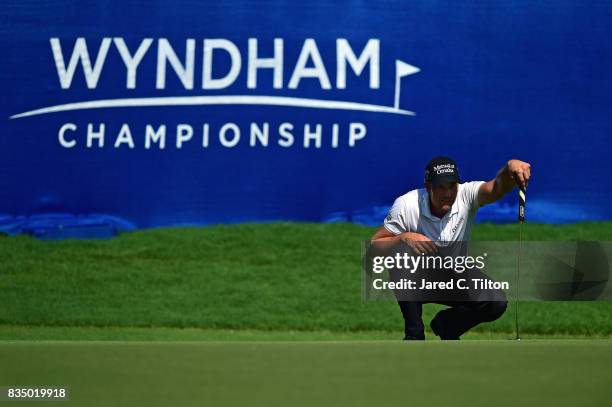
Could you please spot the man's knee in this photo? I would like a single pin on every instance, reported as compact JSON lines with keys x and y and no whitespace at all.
{"x":493,"y":310}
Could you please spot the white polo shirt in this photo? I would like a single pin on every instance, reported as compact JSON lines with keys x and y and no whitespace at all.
{"x":411,"y":213}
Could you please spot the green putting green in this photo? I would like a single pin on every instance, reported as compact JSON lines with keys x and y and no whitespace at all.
{"x":368,"y":373}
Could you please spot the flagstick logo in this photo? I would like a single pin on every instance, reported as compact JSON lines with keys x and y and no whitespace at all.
{"x":309,"y":66}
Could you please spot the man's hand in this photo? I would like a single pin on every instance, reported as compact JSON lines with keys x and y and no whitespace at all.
{"x":520,"y":172}
{"x":515,"y":172}
{"x":419,"y":243}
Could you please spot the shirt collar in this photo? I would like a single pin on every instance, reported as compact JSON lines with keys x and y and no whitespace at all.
{"x":425,"y":210}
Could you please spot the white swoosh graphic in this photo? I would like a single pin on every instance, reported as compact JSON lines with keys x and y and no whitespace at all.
{"x":215,"y":100}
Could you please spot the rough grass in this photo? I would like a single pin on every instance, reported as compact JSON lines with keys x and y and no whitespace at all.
{"x":263,"y":277}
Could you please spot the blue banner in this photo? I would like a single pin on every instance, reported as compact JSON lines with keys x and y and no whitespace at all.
{"x":158,"y":113}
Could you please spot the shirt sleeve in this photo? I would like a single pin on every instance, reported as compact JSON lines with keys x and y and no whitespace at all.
{"x":395,"y":222}
{"x":469,"y":194}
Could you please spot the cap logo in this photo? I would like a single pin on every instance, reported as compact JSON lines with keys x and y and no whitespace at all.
{"x":444,"y":168}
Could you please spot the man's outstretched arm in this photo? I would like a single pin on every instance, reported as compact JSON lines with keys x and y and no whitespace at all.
{"x":417,"y":241}
{"x":515,"y":172}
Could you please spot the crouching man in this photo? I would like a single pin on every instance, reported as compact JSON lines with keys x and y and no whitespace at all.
{"x":444,"y":211}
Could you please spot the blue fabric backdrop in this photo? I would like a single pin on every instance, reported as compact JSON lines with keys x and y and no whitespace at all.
{"x":496,"y":80}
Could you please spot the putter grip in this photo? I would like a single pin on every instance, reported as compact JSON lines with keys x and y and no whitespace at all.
{"x":522,"y":196}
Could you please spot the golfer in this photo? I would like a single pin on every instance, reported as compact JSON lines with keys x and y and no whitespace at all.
{"x":444,"y":211}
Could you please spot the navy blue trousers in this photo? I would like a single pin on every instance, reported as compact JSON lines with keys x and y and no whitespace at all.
{"x":475,"y":307}
{"x":456,"y":320}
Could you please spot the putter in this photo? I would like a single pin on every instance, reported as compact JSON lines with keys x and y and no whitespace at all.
{"x":521,"y":219}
